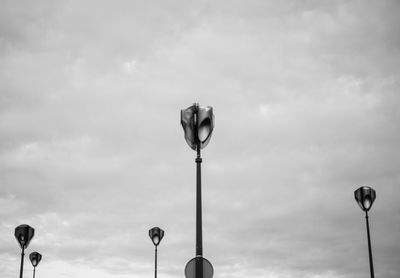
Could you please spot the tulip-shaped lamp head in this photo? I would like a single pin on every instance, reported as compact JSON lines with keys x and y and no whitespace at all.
{"x":198,"y":125}
{"x":365,"y":196}
{"x":35,"y":258}
{"x":156,"y":234}
{"x":24,"y":233}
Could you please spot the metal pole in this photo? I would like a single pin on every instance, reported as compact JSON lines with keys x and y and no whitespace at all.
{"x":155,"y":263}
{"x":199,"y":236}
{"x":371,"y":264}
{"x":199,"y":232}
{"x":34,"y":270}
{"x":22,"y":262}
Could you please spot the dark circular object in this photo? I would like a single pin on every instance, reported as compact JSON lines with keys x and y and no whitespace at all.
{"x":190,"y":269}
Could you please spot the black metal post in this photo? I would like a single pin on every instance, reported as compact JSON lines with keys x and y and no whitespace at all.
{"x":199,"y":231}
{"x":371,"y":264}
{"x":22,"y":262}
{"x":34,"y":270}
{"x":199,"y":236}
{"x":155,"y":263}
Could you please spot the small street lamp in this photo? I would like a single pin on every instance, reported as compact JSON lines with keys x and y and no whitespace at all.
{"x":35,"y":258}
{"x":198,"y":125}
{"x":365,"y":197}
{"x":23,"y":233}
{"x":156,"y":234}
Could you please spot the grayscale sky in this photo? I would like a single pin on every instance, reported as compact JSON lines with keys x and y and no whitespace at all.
{"x":92,"y":154}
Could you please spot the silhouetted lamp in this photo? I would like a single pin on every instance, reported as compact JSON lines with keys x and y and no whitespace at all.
{"x":365,"y":197}
{"x":35,"y":258}
{"x":198,"y":125}
{"x":24,"y":234}
{"x":156,"y":234}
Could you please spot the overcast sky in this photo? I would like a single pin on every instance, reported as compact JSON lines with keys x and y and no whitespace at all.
{"x":92,"y":154}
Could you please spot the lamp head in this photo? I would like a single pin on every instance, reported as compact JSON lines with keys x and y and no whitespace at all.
{"x":156,"y":234}
{"x":24,"y":233}
{"x":198,"y":125}
{"x":35,"y":258}
{"x":365,"y":197}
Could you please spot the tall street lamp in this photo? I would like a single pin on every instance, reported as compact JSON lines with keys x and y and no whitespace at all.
{"x":156,"y":234}
{"x":365,"y":197}
{"x":23,"y":233}
{"x":198,"y":125}
{"x":35,"y":258}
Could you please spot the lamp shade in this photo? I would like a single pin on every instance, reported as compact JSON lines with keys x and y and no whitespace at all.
{"x":156,"y":234}
{"x":365,"y":197}
{"x":35,"y":258}
{"x":24,"y":233}
{"x":198,"y":124}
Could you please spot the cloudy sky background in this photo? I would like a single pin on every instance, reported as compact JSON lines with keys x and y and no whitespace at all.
{"x":92,"y":154}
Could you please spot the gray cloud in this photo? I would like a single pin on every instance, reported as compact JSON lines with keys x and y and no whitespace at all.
{"x":92,"y":154}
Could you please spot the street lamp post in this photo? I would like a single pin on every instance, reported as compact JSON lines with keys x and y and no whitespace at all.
{"x":35,"y":258}
{"x":365,"y":196}
{"x":23,"y":233}
{"x":198,"y":124}
{"x":156,"y":234}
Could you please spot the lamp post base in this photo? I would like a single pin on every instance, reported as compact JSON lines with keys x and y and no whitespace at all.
{"x":199,"y":267}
